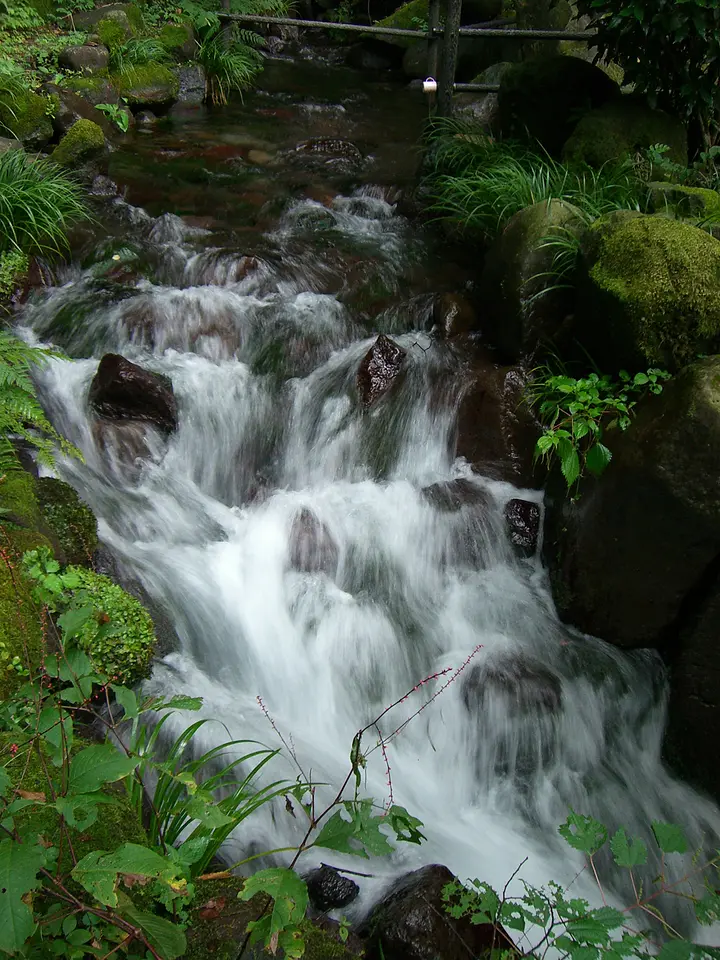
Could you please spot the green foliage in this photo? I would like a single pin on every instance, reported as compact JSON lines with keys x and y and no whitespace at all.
{"x":71,"y":520}
{"x":137,"y":52}
{"x":480,"y":183}
{"x":669,"y":50}
{"x":575,"y":414}
{"x":38,"y":203}
{"x":21,"y":15}
{"x":134,"y":81}
{"x":90,"y":601}
{"x":111,"y":34}
{"x":228,"y":67}
{"x":20,"y":412}
{"x":13,"y":266}
{"x":116,"y":114}
{"x":703,"y":172}
{"x":557,"y":923}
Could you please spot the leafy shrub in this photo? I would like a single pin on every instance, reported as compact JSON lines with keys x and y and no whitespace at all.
{"x":126,"y":652}
{"x":481,"y":183}
{"x":669,"y":50}
{"x":21,"y":15}
{"x":38,"y":203}
{"x":227,"y":68}
{"x":13,"y":265}
{"x":576,"y":412}
{"x":703,"y":172}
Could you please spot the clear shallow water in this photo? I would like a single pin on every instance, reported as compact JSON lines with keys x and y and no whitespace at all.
{"x":261,"y":330}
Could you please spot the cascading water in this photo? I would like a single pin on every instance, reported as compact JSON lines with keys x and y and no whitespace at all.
{"x":273,"y":444}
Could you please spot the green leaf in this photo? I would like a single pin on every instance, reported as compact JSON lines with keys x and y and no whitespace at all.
{"x":127,"y":700}
{"x":56,"y":728}
{"x":569,"y":463}
{"x":95,"y":766}
{"x":676,"y":950}
{"x":74,"y":619}
{"x":404,"y":825}
{"x":597,"y":458}
{"x":628,"y":853}
{"x":670,"y":837}
{"x":19,"y":866}
{"x":359,"y":836}
{"x":167,"y":938}
{"x":98,"y":871}
{"x":583,"y":833}
{"x":81,"y":809}
{"x":288,"y":892}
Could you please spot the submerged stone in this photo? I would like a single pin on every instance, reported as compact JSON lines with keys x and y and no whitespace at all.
{"x":121,"y":390}
{"x":522,"y":518}
{"x":312,"y":547}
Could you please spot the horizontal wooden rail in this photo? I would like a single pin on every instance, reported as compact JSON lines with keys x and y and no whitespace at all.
{"x":477,"y":87}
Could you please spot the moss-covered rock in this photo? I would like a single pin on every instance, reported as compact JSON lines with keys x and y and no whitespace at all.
{"x":72,"y":521}
{"x":95,"y":89}
{"x":583,"y":51}
{"x":126,"y":654}
{"x":86,"y":59}
{"x":84,"y":141}
{"x":649,"y":292}
{"x":17,"y":499}
{"x":25,"y":115}
{"x":622,"y":128}
{"x":179,"y":41}
{"x":685,"y":203}
{"x":21,"y":634}
{"x":113,"y":32}
{"x":117,"y":822}
{"x":517,"y":269}
{"x":151,"y":86}
{"x":543,"y":100}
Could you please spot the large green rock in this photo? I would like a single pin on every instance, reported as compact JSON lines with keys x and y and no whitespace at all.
{"x":71,"y":520}
{"x":623,"y":128}
{"x":542,"y":100}
{"x":83,"y":142}
{"x":648,"y":292}
{"x":26,"y":116}
{"x":517,"y":316}
{"x":179,"y":41}
{"x":685,"y":203}
{"x":95,"y":89}
{"x":151,"y":86}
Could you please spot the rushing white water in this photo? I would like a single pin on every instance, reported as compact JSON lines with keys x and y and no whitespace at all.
{"x":541,"y":719}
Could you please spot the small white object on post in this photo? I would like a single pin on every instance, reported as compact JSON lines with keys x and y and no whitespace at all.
{"x":430,"y":85}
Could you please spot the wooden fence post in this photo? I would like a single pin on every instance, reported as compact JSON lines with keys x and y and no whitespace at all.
{"x":433,"y":37}
{"x":451,"y":39}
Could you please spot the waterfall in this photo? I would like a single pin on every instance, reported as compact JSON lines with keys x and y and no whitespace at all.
{"x":263,"y":353}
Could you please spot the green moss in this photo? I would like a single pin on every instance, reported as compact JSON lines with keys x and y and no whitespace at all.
{"x":622,"y":129}
{"x":653,"y":292}
{"x":127,"y":654}
{"x":148,"y":84}
{"x":135,"y":16}
{"x":576,"y":48}
{"x":402,"y":19}
{"x":685,"y":203}
{"x":21,"y":635}
{"x":71,"y":520}
{"x":111,"y":33}
{"x":13,"y":267}
{"x":25,"y":116}
{"x":176,"y":40}
{"x":117,"y":823}
{"x":17,"y":498}
{"x":92,"y":84}
{"x":83,"y":141}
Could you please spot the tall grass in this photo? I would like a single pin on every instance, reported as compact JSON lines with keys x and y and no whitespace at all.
{"x":137,"y":53}
{"x":38,"y":203}
{"x":13,"y":84}
{"x":230,"y":64}
{"x":481,"y":182}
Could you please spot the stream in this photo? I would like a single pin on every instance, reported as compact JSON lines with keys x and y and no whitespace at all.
{"x":257,"y":277}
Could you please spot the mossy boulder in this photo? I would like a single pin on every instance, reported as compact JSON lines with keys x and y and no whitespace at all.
{"x":648,"y":292}
{"x":542,"y":100}
{"x":517,"y":316}
{"x":72,"y":521}
{"x":126,"y":14}
{"x":17,"y":498}
{"x":117,"y":822}
{"x":25,"y":115}
{"x":95,"y":89}
{"x":623,"y":128}
{"x":86,"y":59}
{"x":113,"y":32}
{"x":685,"y":203}
{"x":83,"y":142}
{"x":21,"y":634}
{"x":148,"y":87}
{"x":71,"y":107}
{"x":126,"y":654}
{"x":179,"y":41}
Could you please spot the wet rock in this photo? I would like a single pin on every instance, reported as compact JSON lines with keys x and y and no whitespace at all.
{"x":374,"y":56}
{"x":482,"y":107}
{"x":149,"y":86}
{"x":103,"y":186}
{"x":496,"y":431}
{"x":453,"y":495}
{"x":328,"y":889}
{"x":125,"y":441}
{"x":259,"y":158}
{"x":379,"y":369}
{"x":410,"y":923}
{"x":117,"y":12}
{"x":70,"y":107}
{"x":191,"y":90}
{"x":84,"y":59}
{"x":523,"y":523}
{"x":415,"y":60}
{"x":146,"y":120}
{"x":9,"y":143}
{"x":312,"y":548}
{"x":628,"y":559}
{"x":525,"y":682}
{"x":518,"y":317}
{"x":453,"y":315}
{"x":330,"y":147}
{"x":121,"y":390}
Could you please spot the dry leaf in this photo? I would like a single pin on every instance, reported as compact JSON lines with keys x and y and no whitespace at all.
{"x":213,"y":908}
{"x":273,"y":942}
{"x":135,"y":880}
{"x":222,"y":875}
{"x":29,"y":795}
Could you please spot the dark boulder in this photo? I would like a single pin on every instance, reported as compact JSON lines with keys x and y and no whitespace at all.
{"x":628,"y":558}
{"x":84,"y":59}
{"x":121,"y":390}
{"x":529,"y":685}
{"x":312,"y":548}
{"x":543,"y":99}
{"x":496,"y":431}
{"x":70,"y":107}
{"x":117,"y":12}
{"x":523,"y":524}
{"x":410,"y":923}
{"x":191,"y":84}
{"x":373,"y":56}
{"x":379,"y":369}
{"x":146,"y":120}
{"x":328,"y":889}
{"x":452,"y":495}
{"x":453,"y":316}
